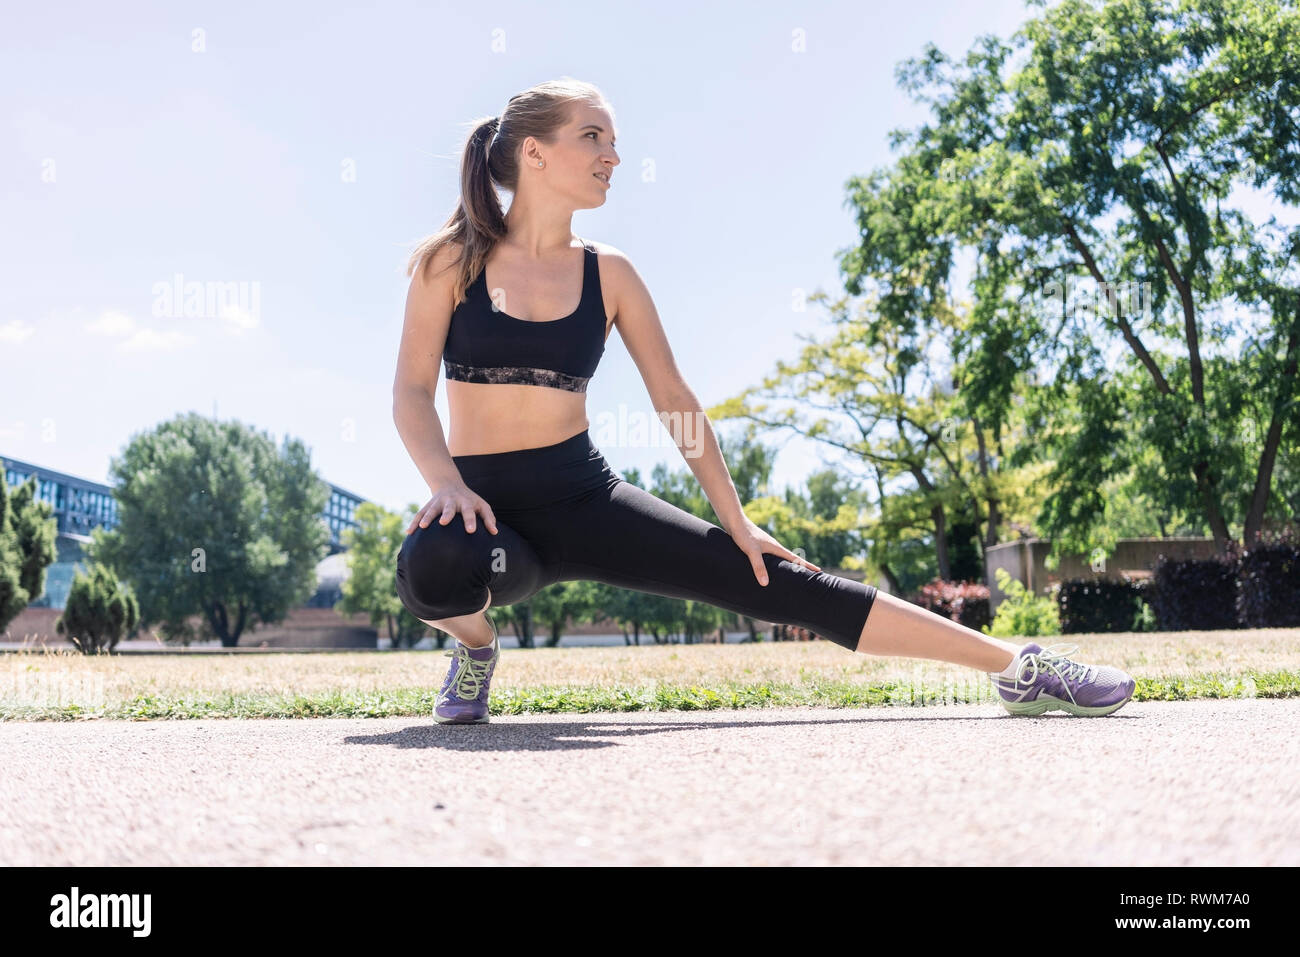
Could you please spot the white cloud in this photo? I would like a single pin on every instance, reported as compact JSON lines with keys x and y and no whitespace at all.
{"x":113,"y":323}
{"x":153,"y":340}
{"x":16,"y":331}
{"x":136,"y":336}
{"x":238,"y":318}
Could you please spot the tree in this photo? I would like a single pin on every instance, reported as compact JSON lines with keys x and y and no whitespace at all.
{"x":1117,"y":152}
{"x":636,"y":611}
{"x":27,"y":535}
{"x":370,"y":587}
{"x":99,"y":612}
{"x":556,"y":604}
{"x":214,"y":521}
{"x":884,"y":399}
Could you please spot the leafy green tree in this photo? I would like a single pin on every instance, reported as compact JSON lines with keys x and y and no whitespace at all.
{"x":520,"y":617}
{"x":636,"y":611}
{"x":750,"y":463}
{"x":215,"y":522}
{"x":1111,"y":149}
{"x":823,"y":522}
{"x":828,"y":492}
{"x":555,"y":605}
{"x":700,"y":619}
{"x":27,"y":534}
{"x":13,"y":596}
{"x":370,"y":587}
{"x":866,"y":392}
{"x":99,"y":613}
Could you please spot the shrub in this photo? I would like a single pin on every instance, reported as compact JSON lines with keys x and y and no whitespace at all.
{"x":99,"y":612}
{"x":1268,"y":583}
{"x":966,"y":603}
{"x":1195,"y":593}
{"x":1089,"y":605}
{"x":1023,"y":614}
{"x":1145,"y":620}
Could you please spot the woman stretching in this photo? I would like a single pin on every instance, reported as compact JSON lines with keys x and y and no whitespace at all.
{"x":517,"y":310}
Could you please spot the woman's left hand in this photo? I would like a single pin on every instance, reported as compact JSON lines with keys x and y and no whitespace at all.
{"x":755,"y":542}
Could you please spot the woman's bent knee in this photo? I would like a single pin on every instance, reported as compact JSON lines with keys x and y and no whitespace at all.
{"x":443,"y":571}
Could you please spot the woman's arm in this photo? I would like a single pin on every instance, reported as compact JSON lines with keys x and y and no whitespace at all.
{"x":424,"y":336}
{"x":680,"y":411}
{"x":419,"y":357}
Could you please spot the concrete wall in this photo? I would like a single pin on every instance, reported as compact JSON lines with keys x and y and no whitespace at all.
{"x":1132,"y":558}
{"x":302,"y":628}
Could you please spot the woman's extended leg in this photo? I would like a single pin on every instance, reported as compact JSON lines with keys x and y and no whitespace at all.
{"x":627,"y":537}
{"x":1029,"y":679}
{"x":624,"y":536}
{"x":898,"y":627}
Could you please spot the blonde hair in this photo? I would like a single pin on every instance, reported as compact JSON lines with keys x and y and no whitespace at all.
{"x":491,"y":156}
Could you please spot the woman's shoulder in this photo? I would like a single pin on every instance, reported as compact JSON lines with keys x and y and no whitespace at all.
{"x":437,"y":262}
{"x":612,"y":261}
{"x":605,"y":249}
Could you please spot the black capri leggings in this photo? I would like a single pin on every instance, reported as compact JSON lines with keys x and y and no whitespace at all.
{"x":564,"y":515}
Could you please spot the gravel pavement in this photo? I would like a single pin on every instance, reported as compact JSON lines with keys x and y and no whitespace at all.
{"x":1157,"y":783}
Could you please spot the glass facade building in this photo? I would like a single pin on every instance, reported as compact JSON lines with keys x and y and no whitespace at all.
{"x":80,"y":505}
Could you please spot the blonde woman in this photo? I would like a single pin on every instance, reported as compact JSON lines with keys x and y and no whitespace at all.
{"x":517,"y":311}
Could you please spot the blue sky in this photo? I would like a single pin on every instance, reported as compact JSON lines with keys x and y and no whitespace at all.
{"x":301,"y":149}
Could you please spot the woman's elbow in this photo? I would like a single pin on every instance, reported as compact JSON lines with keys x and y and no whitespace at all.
{"x":404,"y":394}
{"x":676,"y":396}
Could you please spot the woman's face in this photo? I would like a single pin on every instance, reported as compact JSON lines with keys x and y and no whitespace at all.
{"x":581,"y":160}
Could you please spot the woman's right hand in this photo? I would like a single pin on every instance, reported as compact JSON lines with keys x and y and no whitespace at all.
{"x":449,"y":499}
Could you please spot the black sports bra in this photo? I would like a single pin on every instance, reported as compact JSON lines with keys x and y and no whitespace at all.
{"x":485,"y":344}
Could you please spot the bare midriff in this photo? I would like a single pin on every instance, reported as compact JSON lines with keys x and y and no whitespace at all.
{"x":501,"y":417}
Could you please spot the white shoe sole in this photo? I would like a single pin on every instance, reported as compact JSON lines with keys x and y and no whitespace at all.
{"x":1045,"y":702}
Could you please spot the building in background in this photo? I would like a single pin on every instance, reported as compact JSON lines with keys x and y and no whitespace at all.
{"x":80,"y":505}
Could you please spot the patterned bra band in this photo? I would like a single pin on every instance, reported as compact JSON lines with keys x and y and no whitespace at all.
{"x":516,"y":375}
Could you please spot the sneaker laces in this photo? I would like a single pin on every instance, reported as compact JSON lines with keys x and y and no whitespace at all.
{"x":1056,"y":659}
{"x":471,"y":671}
{"x":470,"y":675}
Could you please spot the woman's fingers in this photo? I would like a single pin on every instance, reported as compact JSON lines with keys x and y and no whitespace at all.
{"x":797,"y":559}
{"x":422,"y":518}
{"x":760,"y":570}
{"x":466,"y":506}
{"x":805,"y":563}
{"x":470,"y":509}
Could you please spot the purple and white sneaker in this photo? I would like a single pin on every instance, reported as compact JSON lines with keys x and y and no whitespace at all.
{"x":464,"y":695}
{"x":1045,"y":679}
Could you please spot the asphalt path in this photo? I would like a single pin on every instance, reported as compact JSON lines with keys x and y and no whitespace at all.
{"x":1157,"y":783}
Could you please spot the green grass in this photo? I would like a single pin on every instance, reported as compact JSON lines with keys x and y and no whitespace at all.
{"x":816,"y":691}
